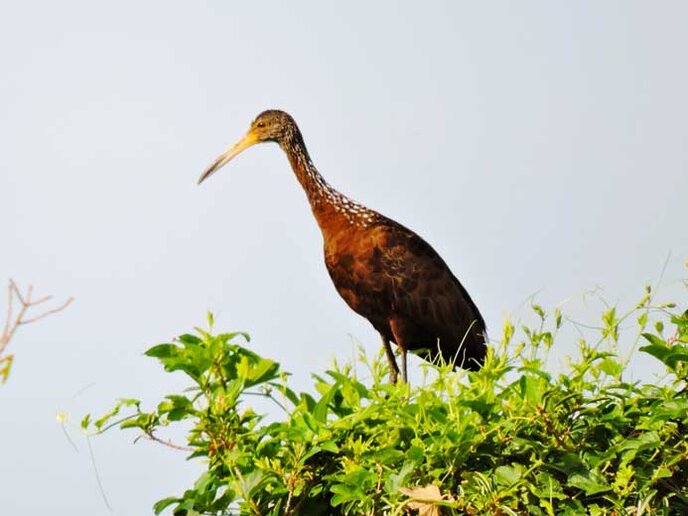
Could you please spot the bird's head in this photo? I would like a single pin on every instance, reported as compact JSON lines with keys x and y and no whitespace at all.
{"x":270,"y":126}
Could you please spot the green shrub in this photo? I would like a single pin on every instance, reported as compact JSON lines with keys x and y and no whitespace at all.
{"x":511,"y":438}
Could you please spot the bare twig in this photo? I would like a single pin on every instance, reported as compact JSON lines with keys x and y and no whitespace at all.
{"x":23,"y":303}
{"x":167,"y":442}
{"x":8,"y":317}
{"x":49,"y":312}
{"x":95,"y":470}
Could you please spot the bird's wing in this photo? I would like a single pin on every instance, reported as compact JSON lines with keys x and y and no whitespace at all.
{"x":424,"y":288}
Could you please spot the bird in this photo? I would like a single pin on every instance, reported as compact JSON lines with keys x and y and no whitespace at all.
{"x":383,"y":271}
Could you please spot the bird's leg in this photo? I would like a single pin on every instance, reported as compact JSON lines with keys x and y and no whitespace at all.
{"x":404,"y":377}
{"x":398,"y":331}
{"x":393,"y":367}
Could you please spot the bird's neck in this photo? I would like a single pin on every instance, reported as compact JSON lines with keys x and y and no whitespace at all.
{"x":331,"y":208}
{"x":317,"y":190}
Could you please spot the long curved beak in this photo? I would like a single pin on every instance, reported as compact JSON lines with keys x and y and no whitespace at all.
{"x":247,"y":141}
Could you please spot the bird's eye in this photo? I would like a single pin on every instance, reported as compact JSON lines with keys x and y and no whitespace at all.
{"x":260,"y":124}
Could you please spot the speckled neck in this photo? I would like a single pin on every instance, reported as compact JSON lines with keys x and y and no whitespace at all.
{"x":326,"y":202}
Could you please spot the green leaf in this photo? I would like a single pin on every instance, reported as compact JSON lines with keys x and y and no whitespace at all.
{"x":127,"y":402}
{"x":360,"y":477}
{"x":592,"y":483}
{"x":645,"y":441}
{"x":144,"y":421}
{"x":230,"y":336}
{"x":256,"y":373}
{"x":388,"y":455}
{"x":321,"y":407}
{"x":508,"y":475}
{"x":163,"y":504}
{"x":557,"y":317}
{"x":177,"y":407}
{"x":345,"y":493}
{"x":249,"y":483}
{"x":163,"y":351}
{"x":669,"y":355}
{"x":5,"y":367}
{"x":547,"y":487}
{"x":415,"y":454}
{"x":532,"y":388}
{"x":611,"y":324}
{"x":538,"y":310}
{"x":189,"y":340}
{"x":330,"y":446}
{"x":611,"y":367}
{"x":642,"y":320}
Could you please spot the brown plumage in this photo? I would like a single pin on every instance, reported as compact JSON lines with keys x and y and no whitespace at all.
{"x":384,"y":271}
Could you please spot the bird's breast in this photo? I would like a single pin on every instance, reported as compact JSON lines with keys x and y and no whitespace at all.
{"x":354,"y":262}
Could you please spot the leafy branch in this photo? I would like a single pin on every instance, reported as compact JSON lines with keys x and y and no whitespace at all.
{"x":512,"y":438}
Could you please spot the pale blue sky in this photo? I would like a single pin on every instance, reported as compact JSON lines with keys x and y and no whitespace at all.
{"x":536,"y":145}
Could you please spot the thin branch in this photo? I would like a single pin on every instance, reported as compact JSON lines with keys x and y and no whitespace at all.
{"x":23,"y":304}
{"x":13,"y":286}
{"x":49,"y":312}
{"x":150,"y":435}
{"x":95,"y":470}
{"x":6,"y":329}
{"x":269,"y":396}
{"x":41,"y":300}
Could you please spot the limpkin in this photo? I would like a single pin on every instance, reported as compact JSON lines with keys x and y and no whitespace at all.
{"x":384,"y":271}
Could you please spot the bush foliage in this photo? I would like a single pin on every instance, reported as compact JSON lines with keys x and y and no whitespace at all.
{"x":511,"y":438}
